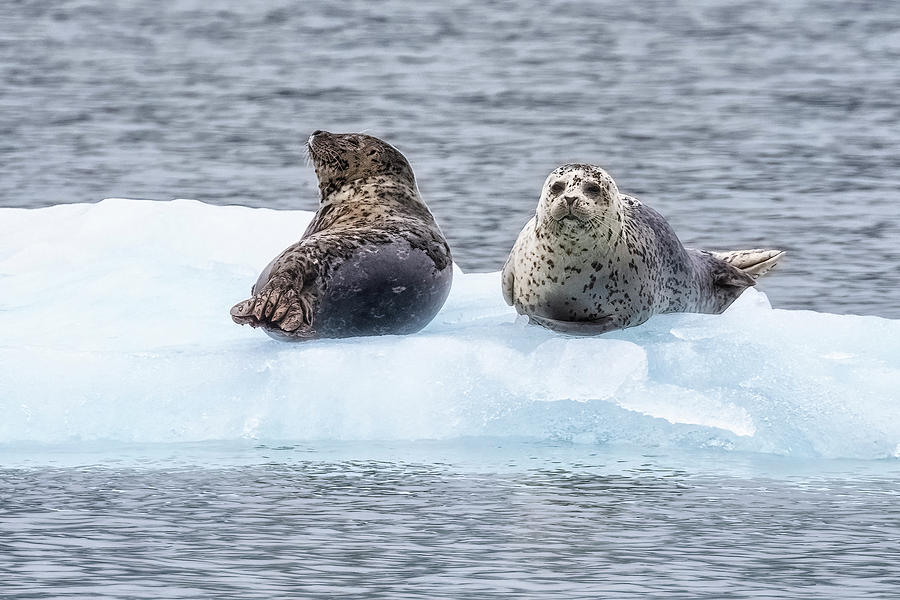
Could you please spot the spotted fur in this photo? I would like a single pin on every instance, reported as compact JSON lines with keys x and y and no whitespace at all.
{"x":373,"y":260}
{"x":593,"y":260}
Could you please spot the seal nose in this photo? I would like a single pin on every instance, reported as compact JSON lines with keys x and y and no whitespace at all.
{"x":310,"y":140}
{"x":570,"y":201}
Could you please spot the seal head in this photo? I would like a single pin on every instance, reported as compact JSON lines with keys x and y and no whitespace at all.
{"x":372,"y":260}
{"x":575,"y":197}
{"x":340,"y":159}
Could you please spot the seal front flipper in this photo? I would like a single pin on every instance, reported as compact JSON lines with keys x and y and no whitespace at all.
{"x":582,"y":328}
{"x":508,"y":281}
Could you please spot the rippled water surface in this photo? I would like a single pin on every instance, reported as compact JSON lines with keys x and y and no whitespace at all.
{"x":481,"y":520}
{"x":746,"y":123}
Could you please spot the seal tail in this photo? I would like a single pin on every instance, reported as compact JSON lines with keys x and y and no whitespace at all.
{"x":752,"y":262}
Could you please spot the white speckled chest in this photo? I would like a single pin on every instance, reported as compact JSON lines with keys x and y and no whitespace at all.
{"x":574,"y":277}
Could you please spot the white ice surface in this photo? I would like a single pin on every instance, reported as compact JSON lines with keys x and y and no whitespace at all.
{"x":114,"y":326}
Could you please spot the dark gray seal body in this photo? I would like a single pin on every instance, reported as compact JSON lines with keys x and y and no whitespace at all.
{"x":372,"y":261}
{"x":593,"y":260}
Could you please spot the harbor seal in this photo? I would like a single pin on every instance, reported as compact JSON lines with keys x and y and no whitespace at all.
{"x":594,"y":260}
{"x":373,"y":261}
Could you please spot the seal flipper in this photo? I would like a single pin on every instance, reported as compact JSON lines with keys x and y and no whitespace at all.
{"x":508,"y":281}
{"x":276,"y":306}
{"x":580,"y":328}
{"x":754,"y":262}
{"x":729,"y":276}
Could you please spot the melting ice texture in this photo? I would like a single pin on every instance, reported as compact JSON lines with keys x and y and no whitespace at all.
{"x":114,"y":325}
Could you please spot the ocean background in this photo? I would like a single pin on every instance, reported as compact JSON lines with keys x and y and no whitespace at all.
{"x":149,"y":448}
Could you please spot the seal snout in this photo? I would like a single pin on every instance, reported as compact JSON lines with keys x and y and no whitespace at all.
{"x":571,"y":208}
{"x":568,"y":208}
{"x":312,"y":137}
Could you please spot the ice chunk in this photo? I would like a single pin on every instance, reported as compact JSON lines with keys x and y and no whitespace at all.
{"x":114,"y":325}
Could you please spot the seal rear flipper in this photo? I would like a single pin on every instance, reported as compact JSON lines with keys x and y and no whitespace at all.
{"x":754,"y":262}
{"x":580,"y":328}
{"x":727,"y":283}
{"x":732,"y":277}
{"x":242,"y":313}
{"x":277,"y":307}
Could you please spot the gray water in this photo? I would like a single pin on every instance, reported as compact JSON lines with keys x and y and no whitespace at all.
{"x":746,"y":123}
{"x":501,"y":519}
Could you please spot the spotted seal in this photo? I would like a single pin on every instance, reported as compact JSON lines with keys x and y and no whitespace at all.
{"x":372,"y":261}
{"x":594,"y":260}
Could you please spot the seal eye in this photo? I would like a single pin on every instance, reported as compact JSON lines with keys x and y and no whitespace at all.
{"x":558,"y":187}
{"x":592,"y":189}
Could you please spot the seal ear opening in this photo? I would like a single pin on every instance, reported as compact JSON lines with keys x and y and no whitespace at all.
{"x":729,"y":276}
